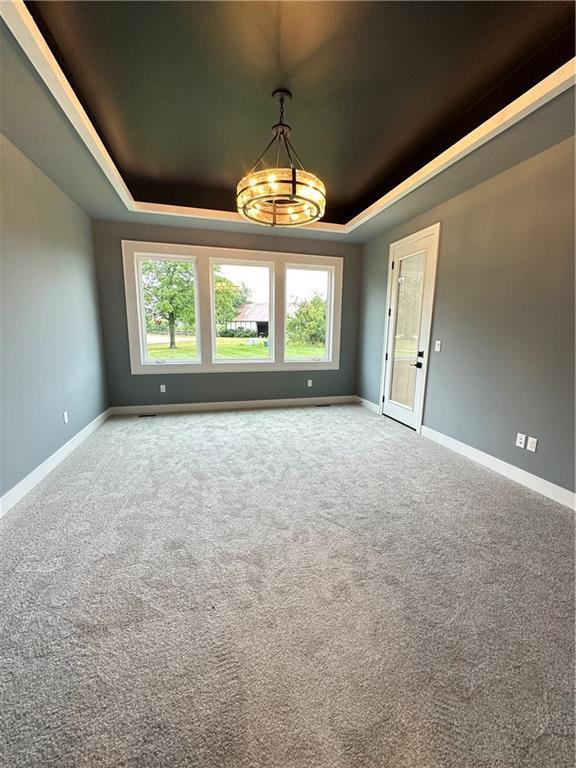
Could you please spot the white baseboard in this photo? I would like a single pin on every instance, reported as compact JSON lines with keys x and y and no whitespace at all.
{"x":535,"y":483}
{"x":374,"y":407}
{"x":15,"y":494}
{"x":231,"y":405}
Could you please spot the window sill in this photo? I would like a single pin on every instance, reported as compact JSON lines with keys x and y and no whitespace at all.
{"x":156,"y":369}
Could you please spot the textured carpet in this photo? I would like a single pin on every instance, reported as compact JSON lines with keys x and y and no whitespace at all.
{"x":298,"y":588}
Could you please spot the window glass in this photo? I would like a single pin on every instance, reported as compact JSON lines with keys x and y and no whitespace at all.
{"x":242,"y":318}
{"x":168,"y":292}
{"x":407,"y":332}
{"x":307,"y":305}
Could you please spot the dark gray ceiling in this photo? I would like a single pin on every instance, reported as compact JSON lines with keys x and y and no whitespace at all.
{"x":179,"y":92}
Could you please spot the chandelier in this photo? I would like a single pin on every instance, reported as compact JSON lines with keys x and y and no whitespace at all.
{"x":281,"y":195}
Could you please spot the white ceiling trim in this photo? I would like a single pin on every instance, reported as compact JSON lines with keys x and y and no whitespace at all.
{"x":215,"y":215}
{"x":540,"y":94}
{"x":22,"y":25}
{"x":27,"y":34}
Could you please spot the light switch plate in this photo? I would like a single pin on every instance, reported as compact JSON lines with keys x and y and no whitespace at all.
{"x":520,"y":440}
{"x":438,"y":345}
{"x":162,"y":387}
{"x":532,"y":444}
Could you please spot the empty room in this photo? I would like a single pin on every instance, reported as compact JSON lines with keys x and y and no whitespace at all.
{"x":287,"y":384}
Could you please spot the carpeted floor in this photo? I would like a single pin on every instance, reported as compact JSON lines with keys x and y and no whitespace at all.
{"x":298,"y":588}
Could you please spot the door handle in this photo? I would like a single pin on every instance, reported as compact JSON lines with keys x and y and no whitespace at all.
{"x":416,"y":365}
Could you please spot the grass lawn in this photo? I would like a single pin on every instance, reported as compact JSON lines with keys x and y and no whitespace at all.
{"x":185,"y":350}
{"x":230,"y":348}
{"x":301,"y":351}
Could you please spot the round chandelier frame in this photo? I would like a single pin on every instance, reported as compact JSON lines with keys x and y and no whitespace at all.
{"x":286,"y":196}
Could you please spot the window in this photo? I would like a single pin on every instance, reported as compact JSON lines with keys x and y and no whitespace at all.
{"x":243,"y":325}
{"x":308,"y":312}
{"x":169,"y":307}
{"x":194,"y":309}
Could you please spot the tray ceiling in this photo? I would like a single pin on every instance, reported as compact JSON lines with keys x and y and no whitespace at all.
{"x":180,"y":92}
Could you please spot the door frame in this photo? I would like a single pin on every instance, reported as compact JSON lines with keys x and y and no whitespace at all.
{"x":434,"y":231}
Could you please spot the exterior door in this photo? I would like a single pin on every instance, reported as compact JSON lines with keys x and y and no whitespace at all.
{"x":411,"y":282}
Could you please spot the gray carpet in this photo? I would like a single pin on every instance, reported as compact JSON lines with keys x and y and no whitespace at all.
{"x":298,"y":588}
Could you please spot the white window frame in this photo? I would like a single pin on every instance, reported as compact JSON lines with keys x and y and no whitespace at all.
{"x":204,"y":257}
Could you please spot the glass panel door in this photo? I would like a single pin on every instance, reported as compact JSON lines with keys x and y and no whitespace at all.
{"x":405,"y":361}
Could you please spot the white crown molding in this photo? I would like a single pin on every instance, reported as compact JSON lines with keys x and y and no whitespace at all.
{"x":19,"y":21}
{"x":540,"y":94}
{"x":22,"y":25}
{"x":229,"y":216}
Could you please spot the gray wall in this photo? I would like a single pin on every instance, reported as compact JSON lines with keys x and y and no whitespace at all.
{"x":504,"y":310}
{"x":126,"y":389}
{"x":50,"y":337}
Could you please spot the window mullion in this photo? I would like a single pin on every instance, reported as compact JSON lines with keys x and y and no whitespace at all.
{"x":330,"y":315}
{"x":279,"y":311}
{"x":204,"y":309}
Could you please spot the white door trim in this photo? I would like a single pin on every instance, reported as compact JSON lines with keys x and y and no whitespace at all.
{"x":434,"y":232}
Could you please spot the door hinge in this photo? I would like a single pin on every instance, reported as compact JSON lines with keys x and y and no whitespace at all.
{"x":392,"y":265}
{"x":383,"y":399}
{"x":389,"y":311}
{"x":386,"y":358}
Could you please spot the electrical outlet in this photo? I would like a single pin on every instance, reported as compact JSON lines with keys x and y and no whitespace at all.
{"x":532,"y":443}
{"x":162,"y":387}
{"x":65,"y":417}
{"x":309,"y":382}
{"x":520,"y":440}
{"x":437,"y":345}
